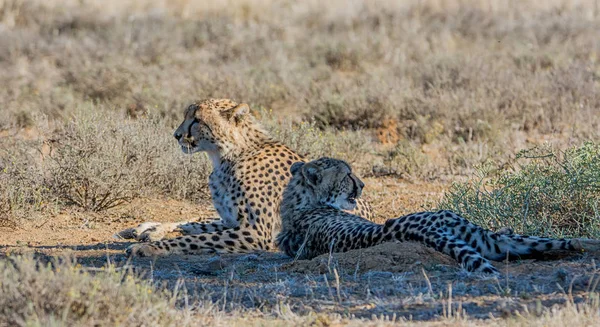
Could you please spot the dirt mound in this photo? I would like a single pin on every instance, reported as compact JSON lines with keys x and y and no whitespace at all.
{"x":391,"y":256}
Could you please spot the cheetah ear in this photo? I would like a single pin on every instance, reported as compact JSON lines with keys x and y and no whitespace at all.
{"x":311,"y":173}
{"x":237,"y":114}
{"x":296,"y":167}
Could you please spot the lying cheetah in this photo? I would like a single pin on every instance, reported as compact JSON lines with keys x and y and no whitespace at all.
{"x":313,"y":223}
{"x":250,"y":172}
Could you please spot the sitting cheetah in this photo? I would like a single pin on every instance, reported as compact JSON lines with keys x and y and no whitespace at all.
{"x":313,"y":223}
{"x":250,"y":172}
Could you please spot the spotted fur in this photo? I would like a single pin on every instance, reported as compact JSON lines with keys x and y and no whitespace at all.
{"x":314,"y":223}
{"x":250,"y":172}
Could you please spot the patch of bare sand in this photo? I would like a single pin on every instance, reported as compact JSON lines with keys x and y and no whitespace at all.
{"x":73,"y":227}
{"x":391,"y":256}
{"x":394,"y":197}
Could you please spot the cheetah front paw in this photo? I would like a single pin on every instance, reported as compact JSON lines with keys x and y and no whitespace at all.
{"x":146,"y":232}
{"x":144,"y":250}
{"x":586,"y":244}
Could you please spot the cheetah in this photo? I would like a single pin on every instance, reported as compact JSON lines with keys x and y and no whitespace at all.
{"x":250,"y":172}
{"x":313,"y":223}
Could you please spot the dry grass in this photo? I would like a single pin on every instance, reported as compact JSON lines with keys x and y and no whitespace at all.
{"x":422,"y":90}
{"x":463,"y":81}
{"x":61,"y":292}
{"x":22,"y":188}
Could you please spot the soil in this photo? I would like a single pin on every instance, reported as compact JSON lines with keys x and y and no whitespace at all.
{"x":391,"y":257}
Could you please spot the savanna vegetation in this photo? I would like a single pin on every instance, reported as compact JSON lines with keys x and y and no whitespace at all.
{"x":496,"y":101}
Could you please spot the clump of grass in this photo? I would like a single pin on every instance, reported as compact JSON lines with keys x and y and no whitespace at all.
{"x":63,"y":293}
{"x":546,"y":192}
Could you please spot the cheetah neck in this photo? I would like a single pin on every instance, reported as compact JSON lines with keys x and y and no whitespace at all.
{"x":215,"y":158}
{"x":297,"y":198}
{"x":239,"y":142}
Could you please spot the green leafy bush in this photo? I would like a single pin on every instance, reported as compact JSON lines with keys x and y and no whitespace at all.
{"x":546,"y":192}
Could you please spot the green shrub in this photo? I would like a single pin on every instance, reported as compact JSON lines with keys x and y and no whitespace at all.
{"x":546,"y":192}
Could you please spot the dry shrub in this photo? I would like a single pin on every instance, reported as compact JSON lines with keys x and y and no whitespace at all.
{"x":312,"y":142}
{"x":62,"y":293}
{"x":99,"y":83}
{"x":357,"y":112}
{"x":405,"y":159}
{"x":104,"y":160}
{"x":96,"y":167}
{"x":22,"y":188}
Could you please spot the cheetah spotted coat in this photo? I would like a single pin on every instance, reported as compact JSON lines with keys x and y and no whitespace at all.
{"x":250,"y":172}
{"x":313,"y":224}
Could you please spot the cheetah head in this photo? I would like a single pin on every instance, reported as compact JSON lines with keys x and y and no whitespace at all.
{"x":211,"y":125}
{"x":331,"y":181}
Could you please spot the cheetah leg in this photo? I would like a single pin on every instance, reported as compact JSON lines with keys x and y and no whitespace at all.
{"x":462,"y":252}
{"x":406,"y":228}
{"x":428,"y":228}
{"x":497,"y":246}
{"x":227,"y":241}
{"x":195,"y":228}
{"x":152,"y":231}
